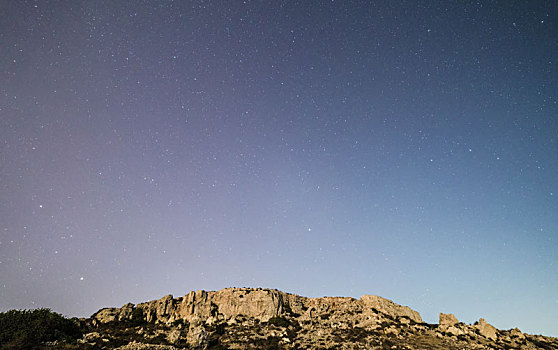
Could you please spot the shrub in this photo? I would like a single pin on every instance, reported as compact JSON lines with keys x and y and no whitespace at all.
{"x":180,"y":323}
{"x":269,"y":343}
{"x":279,"y":321}
{"x":137,"y":317}
{"x":220,"y":328}
{"x":214,"y":309}
{"x":289,"y":311}
{"x":29,"y":328}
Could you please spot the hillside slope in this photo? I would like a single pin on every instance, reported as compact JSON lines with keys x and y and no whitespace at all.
{"x":247,"y":318}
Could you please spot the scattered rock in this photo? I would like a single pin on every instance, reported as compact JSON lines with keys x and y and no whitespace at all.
{"x":141,"y":346}
{"x":173,"y":335}
{"x":91,"y":336}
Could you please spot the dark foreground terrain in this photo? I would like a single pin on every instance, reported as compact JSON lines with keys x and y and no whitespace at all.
{"x":244,"y":318}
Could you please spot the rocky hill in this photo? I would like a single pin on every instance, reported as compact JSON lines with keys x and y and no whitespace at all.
{"x":246,"y":318}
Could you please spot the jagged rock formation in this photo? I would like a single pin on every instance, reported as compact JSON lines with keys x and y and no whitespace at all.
{"x":245,"y":318}
{"x":261,"y":304}
{"x":447,"y":320}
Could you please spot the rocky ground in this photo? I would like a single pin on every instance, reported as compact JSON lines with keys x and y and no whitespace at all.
{"x":242,"y":318}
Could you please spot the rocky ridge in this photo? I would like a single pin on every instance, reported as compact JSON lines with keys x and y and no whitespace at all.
{"x":256,"y":318}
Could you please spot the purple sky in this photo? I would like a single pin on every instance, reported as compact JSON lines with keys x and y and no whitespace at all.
{"x":407,"y":149}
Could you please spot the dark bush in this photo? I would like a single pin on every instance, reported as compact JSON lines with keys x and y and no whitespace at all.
{"x":138,"y":317}
{"x":279,"y":321}
{"x":289,"y":311}
{"x":214,"y":309}
{"x":215,"y":344}
{"x":26,"y":329}
{"x":269,"y":343}
{"x":220,"y":328}
{"x":357,"y":334}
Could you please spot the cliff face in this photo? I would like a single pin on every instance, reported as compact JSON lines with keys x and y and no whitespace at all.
{"x":245,"y":318}
{"x":260,"y":304}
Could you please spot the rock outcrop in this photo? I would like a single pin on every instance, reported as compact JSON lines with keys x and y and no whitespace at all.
{"x":256,"y":318}
{"x":487,"y":330}
{"x":448,"y":323}
{"x":388,"y":307}
{"x":260,"y":304}
{"x":447,"y":320}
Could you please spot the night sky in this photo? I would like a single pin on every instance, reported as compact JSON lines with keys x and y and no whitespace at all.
{"x":407,"y":149}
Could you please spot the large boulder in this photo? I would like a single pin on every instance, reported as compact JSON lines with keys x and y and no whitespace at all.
{"x":486,"y":329}
{"x":388,"y":307}
{"x":448,"y":323}
{"x":106,"y":315}
{"x":447,"y":320}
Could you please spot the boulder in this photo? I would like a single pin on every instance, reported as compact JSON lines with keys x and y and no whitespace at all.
{"x":388,"y":307}
{"x":106,"y":315}
{"x":448,"y":323}
{"x":197,"y":337}
{"x":447,"y":320}
{"x":453,"y":330}
{"x":487,"y":330}
{"x":516,"y":333}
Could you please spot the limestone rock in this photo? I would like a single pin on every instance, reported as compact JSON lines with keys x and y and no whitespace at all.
{"x":197,"y":337}
{"x":139,"y":346}
{"x":447,"y":320}
{"x":106,"y":315}
{"x":487,"y":330}
{"x":112,"y":314}
{"x":453,"y":330}
{"x":389,"y":307}
{"x":516,"y":333}
{"x":261,"y":304}
{"x":91,"y":336}
{"x":448,"y":323}
{"x":241,"y":318}
{"x":173,"y":336}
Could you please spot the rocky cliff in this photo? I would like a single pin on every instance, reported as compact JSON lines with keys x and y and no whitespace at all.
{"x":260,"y":304}
{"x":255,"y":318}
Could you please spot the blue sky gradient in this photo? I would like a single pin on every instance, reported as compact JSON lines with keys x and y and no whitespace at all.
{"x":407,"y":149}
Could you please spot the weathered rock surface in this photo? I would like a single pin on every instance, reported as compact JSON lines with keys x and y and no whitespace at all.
{"x":245,"y":318}
{"x":141,"y":346}
{"x":261,"y":304}
{"x":389,"y":307}
{"x":447,"y":320}
{"x":487,"y":330}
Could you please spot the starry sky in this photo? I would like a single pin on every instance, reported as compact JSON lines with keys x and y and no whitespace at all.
{"x":407,"y":149}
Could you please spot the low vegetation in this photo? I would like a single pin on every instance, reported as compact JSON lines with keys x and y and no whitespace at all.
{"x":29,"y":329}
